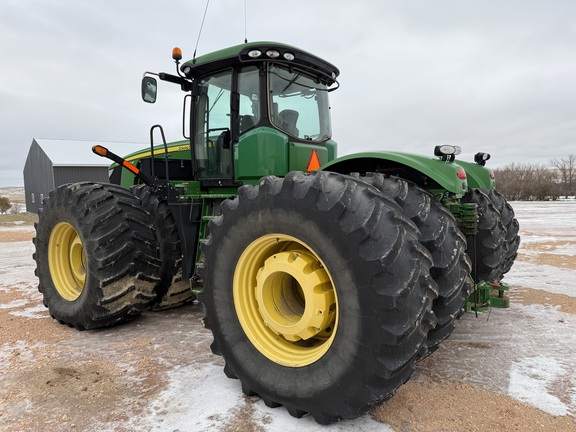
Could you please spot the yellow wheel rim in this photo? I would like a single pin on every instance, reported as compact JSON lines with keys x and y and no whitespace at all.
{"x":67,"y":261}
{"x":285,"y":300}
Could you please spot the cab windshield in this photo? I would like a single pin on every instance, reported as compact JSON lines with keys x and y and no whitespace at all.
{"x":299,"y":104}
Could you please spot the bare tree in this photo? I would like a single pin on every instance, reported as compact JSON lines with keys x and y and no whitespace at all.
{"x":543,"y":185}
{"x":16,"y":208}
{"x":523,"y":181}
{"x":509,"y":181}
{"x":567,"y":171}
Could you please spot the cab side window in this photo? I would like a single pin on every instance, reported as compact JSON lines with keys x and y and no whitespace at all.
{"x":249,"y":103}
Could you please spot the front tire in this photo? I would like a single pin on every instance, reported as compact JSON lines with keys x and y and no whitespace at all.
{"x":318,"y":294}
{"x":95,"y":255}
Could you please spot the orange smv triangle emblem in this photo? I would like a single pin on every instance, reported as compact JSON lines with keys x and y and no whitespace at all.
{"x":313,"y":162}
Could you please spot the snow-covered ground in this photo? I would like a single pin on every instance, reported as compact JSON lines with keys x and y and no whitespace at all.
{"x":525,"y":352}
{"x":528,"y":349}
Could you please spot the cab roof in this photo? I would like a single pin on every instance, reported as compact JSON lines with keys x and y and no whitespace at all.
{"x":268,"y":52}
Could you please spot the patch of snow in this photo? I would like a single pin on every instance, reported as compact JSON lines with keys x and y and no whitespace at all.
{"x":201,"y":398}
{"x":14,"y":304}
{"x":17,"y":265}
{"x":24,"y":349}
{"x":496,"y":350}
{"x":27,"y":228}
{"x":543,"y":277}
{"x":35,"y":312}
{"x":531,"y":379}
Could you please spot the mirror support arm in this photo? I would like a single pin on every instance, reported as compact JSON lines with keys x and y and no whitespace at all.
{"x":184,"y":83}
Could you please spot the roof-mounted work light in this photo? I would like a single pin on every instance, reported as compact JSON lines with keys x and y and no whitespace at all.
{"x":447,"y":152}
{"x":273,"y":53}
{"x":481,"y":158}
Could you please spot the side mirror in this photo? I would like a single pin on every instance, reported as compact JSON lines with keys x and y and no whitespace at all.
{"x":149,"y":89}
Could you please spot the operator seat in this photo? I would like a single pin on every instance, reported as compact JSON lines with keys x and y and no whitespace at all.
{"x":287,"y":120}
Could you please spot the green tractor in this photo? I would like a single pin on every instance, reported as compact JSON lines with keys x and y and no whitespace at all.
{"x":323,"y":279}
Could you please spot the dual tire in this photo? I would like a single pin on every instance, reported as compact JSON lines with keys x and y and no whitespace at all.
{"x":96,"y":257}
{"x":495,"y":246}
{"x":104,"y":254}
{"x":440,"y":235}
{"x":171,"y":290}
{"x":318,"y":293}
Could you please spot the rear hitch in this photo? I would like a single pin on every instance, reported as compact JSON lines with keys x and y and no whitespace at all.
{"x":486,"y":295}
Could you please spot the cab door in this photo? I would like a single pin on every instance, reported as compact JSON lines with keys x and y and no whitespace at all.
{"x":212,"y":126}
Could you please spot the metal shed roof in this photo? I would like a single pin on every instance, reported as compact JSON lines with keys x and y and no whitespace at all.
{"x":79,"y":153}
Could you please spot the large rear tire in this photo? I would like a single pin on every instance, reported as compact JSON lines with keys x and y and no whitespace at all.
{"x":318,"y":294}
{"x":441,"y":236}
{"x":488,"y":248}
{"x":510,"y":223}
{"x":171,"y":291}
{"x":95,"y":255}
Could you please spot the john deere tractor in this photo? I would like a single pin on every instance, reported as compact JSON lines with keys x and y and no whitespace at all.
{"x":323,"y":279}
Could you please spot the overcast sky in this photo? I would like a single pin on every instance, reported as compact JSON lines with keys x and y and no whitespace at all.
{"x":495,"y":76}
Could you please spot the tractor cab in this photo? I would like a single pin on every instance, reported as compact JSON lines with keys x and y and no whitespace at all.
{"x":255,"y":109}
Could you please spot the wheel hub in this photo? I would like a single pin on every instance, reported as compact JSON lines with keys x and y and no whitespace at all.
{"x":286,"y":308}
{"x":67,"y":261}
{"x":285,"y":300}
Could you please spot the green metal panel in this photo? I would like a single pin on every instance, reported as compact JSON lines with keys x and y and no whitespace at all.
{"x":332,"y":149}
{"x":443,"y":173}
{"x":265,"y":151}
{"x":260,"y":152}
{"x":300,"y":155}
{"x":127,"y":178}
{"x":478,"y":175}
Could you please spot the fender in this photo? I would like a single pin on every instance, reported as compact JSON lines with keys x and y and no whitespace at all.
{"x":478,"y":176}
{"x":426,"y":172}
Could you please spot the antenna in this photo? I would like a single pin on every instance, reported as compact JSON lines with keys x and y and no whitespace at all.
{"x":245,"y":23}
{"x":200,"y":32}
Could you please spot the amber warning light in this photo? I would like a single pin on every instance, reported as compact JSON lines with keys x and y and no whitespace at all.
{"x":100,"y":151}
{"x":177,"y":54}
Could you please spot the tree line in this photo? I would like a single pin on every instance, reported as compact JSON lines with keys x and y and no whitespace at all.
{"x":537,"y":182}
